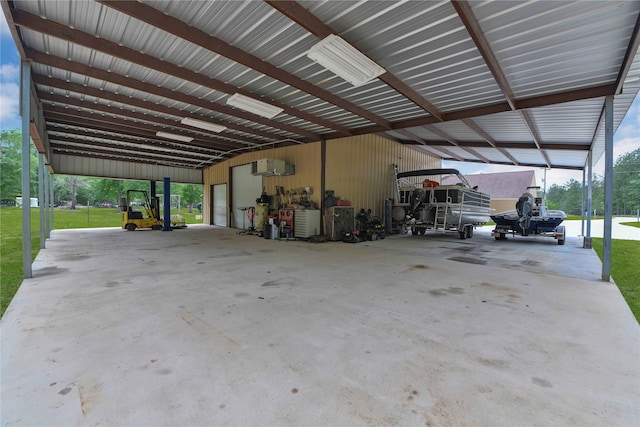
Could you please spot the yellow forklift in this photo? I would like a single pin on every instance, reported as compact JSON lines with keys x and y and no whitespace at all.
{"x":138,"y":211}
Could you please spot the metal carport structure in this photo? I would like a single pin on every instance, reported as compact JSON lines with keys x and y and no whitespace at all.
{"x":541,"y":84}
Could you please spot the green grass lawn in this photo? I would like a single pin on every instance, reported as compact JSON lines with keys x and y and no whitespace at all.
{"x":632,"y":224}
{"x":624,"y":269}
{"x":11,"y":271}
{"x":578,"y":217}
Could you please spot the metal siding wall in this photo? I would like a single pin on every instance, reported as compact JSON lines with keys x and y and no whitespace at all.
{"x":359,"y":169}
{"x":85,"y":166}
{"x":306,"y":159}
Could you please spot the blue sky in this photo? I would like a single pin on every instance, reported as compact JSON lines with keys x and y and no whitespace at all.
{"x":626,"y":139}
{"x":9,"y":79}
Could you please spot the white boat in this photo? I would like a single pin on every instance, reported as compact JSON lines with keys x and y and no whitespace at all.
{"x":432,"y":206}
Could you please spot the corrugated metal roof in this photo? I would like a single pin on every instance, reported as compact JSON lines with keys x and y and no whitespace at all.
{"x":519,"y":82}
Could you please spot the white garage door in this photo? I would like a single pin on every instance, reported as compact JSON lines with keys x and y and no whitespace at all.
{"x":220,"y":205}
{"x":245,"y":189}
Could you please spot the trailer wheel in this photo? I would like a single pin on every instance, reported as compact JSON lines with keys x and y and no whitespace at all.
{"x":414,"y":231}
{"x":560,"y":233}
{"x":422,"y":230}
{"x":463,"y":234}
{"x":131,"y":227}
{"x":469,"y":231}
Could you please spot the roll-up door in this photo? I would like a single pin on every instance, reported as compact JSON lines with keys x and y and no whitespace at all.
{"x":245,"y":189}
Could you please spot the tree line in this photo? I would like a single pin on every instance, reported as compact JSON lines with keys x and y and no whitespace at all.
{"x":626,"y":190}
{"x":71,"y":191}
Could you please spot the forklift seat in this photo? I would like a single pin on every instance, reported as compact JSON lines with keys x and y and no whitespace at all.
{"x":135,"y":215}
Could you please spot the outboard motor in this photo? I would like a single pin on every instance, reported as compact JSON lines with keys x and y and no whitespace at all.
{"x":524,"y":206}
{"x":417,"y":199}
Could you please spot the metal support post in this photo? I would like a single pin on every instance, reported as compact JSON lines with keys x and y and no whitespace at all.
{"x":167,"y":204}
{"x":41,"y":200}
{"x":608,"y":187}
{"x":47,"y":203}
{"x":584,"y":195}
{"x":589,"y":194}
{"x":51,"y":202}
{"x":25,"y":106}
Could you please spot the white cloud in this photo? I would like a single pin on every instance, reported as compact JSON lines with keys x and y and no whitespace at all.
{"x":9,"y":102}
{"x":10,"y":72}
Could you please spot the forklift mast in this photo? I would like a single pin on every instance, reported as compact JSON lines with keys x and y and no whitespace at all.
{"x":155,"y":208}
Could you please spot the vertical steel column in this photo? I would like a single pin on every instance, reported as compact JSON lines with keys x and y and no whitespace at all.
{"x":153,"y":188}
{"x":608,"y":187}
{"x":41,"y":200}
{"x":589,"y":191}
{"x":25,"y":107}
{"x":47,"y":203}
{"x":323,"y":179}
{"x":584,"y":195}
{"x":167,"y":204}
{"x":51,"y":202}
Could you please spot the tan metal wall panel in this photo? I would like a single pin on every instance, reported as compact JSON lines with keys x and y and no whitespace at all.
{"x":359,"y":169}
{"x":306,"y":159}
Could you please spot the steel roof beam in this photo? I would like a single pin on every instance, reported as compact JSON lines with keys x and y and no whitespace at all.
{"x":478,"y":130}
{"x":426,"y":143}
{"x":534,"y":134}
{"x":451,"y":140}
{"x":515,"y":145}
{"x":422,"y":147}
{"x":632,"y":49}
{"x":538,"y":101}
{"x":569,"y":96}
{"x":180,"y":29}
{"x":301,"y":16}
{"x":574,"y":95}
{"x":50,"y":28}
{"x":463,"y":9}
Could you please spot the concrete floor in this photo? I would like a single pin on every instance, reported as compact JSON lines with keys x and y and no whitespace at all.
{"x":205,"y":327}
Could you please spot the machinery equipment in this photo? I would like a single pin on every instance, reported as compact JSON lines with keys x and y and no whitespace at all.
{"x":139,"y":211}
